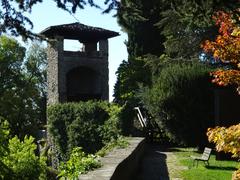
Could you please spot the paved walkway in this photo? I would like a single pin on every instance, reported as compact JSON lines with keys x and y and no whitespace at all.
{"x":111,"y":161}
{"x":158,"y":164}
{"x":154,"y":162}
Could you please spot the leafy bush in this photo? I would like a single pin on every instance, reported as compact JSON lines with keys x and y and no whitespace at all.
{"x":4,"y":135}
{"x":226,"y":139}
{"x":22,"y":160}
{"x":79,"y":163}
{"x":111,"y":130}
{"x":85,"y":124}
{"x":181,"y":101}
{"x":17,"y":158}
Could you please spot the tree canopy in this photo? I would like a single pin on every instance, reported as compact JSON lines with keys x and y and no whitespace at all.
{"x":13,"y":17}
{"x":187,"y":23}
{"x":157,"y":27}
{"x":226,"y":48}
{"x":138,"y":19}
{"x":22,"y":86}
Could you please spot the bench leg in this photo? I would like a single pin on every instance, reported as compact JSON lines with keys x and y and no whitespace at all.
{"x":206,"y":162}
{"x":193,"y":163}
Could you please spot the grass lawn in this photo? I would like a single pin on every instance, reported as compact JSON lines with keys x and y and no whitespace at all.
{"x":217,"y":170}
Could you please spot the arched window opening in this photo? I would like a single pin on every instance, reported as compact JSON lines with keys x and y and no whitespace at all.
{"x":83,"y":84}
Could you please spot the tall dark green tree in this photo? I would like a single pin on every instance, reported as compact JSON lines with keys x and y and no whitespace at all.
{"x":21,"y":86}
{"x":138,"y":19}
{"x":35,"y":66}
{"x":131,"y":74}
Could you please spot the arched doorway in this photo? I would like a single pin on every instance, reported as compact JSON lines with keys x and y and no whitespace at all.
{"x":83,"y":84}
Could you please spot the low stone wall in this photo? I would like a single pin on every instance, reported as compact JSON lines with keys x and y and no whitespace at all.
{"x":120,"y":164}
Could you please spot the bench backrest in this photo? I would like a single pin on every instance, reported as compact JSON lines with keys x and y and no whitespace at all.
{"x":206,"y":153}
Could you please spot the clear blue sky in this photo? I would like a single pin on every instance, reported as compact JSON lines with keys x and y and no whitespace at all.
{"x":47,"y":14}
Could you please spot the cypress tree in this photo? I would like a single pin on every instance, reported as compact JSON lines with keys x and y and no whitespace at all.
{"x":138,"y":19}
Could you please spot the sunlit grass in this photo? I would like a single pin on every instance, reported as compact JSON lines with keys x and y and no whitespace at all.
{"x":217,"y":170}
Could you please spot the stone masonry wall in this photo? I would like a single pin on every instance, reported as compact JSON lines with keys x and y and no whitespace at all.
{"x":55,"y":53}
{"x":61,"y":62}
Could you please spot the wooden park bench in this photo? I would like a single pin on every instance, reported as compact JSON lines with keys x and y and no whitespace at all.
{"x":204,"y":158}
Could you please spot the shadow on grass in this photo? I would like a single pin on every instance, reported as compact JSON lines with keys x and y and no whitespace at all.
{"x":222,"y":168}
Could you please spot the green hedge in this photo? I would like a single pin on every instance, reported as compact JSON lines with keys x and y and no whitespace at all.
{"x":181,"y":101}
{"x":89,"y":125}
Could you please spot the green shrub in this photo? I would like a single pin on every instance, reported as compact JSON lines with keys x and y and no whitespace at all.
{"x":22,"y":161}
{"x":4,"y":135}
{"x":17,"y":158}
{"x":85,"y":124}
{"x":79,"y":163}
{"x":181,"y":101}
{"x":111,"y":130}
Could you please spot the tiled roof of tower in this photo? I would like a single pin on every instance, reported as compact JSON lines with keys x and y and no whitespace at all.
{"x":78,"y":31}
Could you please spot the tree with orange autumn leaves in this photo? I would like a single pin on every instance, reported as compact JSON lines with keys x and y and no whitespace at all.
{"x":226,"y":48}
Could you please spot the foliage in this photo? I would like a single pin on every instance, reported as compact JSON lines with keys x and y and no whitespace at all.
{"x":35,"y":70}
{"x":22,"y":92}
{"x":226,"y":139}
{"x":180,"y":101}
{"x":17,"y":158}
{"x":236,"y":175}
{"x":130,"y":76}
{"x":22,"y":161}
{"x":78,"y":163}
{"x":174,"y":27}
{"x":226,"y":48}
{"x":85,"y":124}
{"x":187,"y":23}
{"x":13,"y":16}
{"x":138,"y":18}
{"x":4,"y":135}
{"x":111,"y":127}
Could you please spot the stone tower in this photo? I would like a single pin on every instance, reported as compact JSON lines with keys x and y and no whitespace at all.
{"x":77,"y":75}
